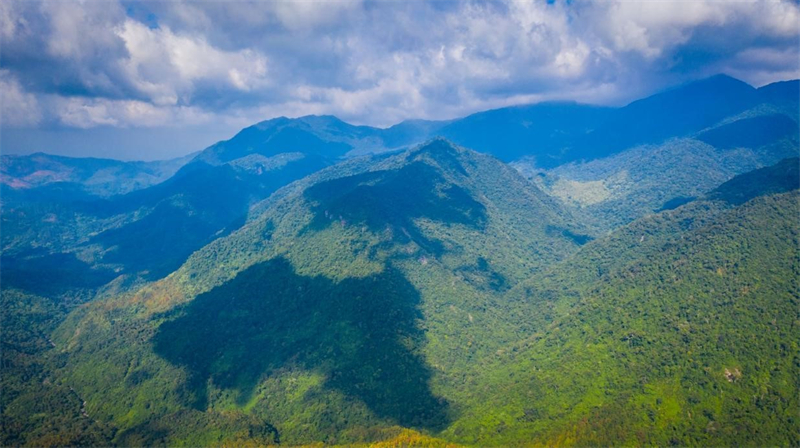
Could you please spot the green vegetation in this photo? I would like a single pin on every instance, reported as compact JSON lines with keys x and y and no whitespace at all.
{"x":325,"y":321}
{"x":634,"y":183}
{"x":35,"y":407}
{"x":689,"y":341}
{"x":432,"y":297}
{"x":322,"y":318}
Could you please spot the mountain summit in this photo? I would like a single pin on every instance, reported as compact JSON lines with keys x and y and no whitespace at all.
{"x":367,"y":281}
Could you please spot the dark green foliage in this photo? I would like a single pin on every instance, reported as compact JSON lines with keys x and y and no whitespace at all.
{"x":36,"y":409}
{"x":577,"y":238}
{"x":395,"y":199}
{"x":780,"y":178}
{"x":51,"y":274}
{"x":676,"y":202}
{"x":360,"y":334}
{"x":751,"y":132}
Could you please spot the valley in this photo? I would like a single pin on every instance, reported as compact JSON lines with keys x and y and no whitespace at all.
{"x":556,"y":274}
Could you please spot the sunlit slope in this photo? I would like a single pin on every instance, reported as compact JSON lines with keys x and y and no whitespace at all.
{"x":681,"y":328}
{"x":362,"y":298}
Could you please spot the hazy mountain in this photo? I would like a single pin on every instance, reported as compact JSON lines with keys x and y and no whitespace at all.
{"x":550,"y":134}
{"x":90,"y":176}
{"x":781,"y":92}
{"x":626,"y":185}
{"x":84,"y":242}
{"x":545,"y":135}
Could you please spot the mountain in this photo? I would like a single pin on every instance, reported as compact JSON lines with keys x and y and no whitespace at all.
{"x":435,"y":290}
{"x":325,"y":137}
{"x":629,"y":279}
{"x":781,"y":92}
{"x":546,"y":132}
{"x":370,"y":286}
{"x":85,"y":243}
{"x":720,"y":111}
{"x":551,"y":134}
{"x":677,"y":112}
{"x":778,"y":178}
{"x":618,"y":189}
{"x":679,"y":329}
{"x":26,"y":175}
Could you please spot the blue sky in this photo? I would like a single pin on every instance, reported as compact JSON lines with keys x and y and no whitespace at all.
{"x":148,"y":80}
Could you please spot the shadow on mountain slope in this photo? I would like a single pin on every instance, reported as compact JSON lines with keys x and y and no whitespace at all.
{"x":50,"y":274}
{"x":393,"y":199}
{"x":361,"y":334}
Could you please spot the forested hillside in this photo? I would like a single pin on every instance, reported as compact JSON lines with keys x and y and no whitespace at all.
{"x":354,"y":276}
{"x":630,"y":278}
{"x":680,"y":329}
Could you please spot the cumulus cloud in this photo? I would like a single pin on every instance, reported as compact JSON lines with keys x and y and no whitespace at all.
{"x":90,"y":112}
{"x":166,"y":67}
{"x":88,"y":64}
{"x":17,"y":107}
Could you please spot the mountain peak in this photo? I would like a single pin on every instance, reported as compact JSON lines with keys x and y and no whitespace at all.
{"x":436,"y":145}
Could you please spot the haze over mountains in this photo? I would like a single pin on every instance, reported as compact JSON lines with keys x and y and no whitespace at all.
{"x":548,"y":274}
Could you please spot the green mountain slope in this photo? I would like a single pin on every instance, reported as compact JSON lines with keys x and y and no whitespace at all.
{"x":679,"y":329}
{"x":306,"y":282}
{"x":83,"y":244}
{"x":358,"y":300}
{"x":439,"y":291}
{"x":35,"y":408}
{"x":618,"y":189}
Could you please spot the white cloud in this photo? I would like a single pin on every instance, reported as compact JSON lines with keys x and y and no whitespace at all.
{"x":17,"y":107}
{"x":654,"y":27}
{"x":102,"y":63}
{"x":9,"y":18}
{"x":91,"y":112}
{"x":164,"y":66}
{"x":305,"y":14}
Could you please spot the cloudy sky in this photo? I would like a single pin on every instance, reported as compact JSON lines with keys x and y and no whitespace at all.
{"x":145,"y":80}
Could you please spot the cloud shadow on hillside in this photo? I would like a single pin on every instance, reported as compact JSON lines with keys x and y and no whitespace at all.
{"x":361,"y":334}
{"x":393,"y":199}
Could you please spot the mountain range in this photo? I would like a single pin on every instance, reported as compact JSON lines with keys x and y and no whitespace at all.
{"x":551,"y":274}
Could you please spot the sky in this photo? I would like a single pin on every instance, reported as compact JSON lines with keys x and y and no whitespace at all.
{"x":159,"y":79}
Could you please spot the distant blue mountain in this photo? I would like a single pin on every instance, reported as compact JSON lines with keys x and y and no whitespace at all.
{"x":90,"y":176}
{"x":552,"y":133}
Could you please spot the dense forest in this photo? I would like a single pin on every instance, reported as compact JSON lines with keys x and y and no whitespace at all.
{"x":295,"y":285}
